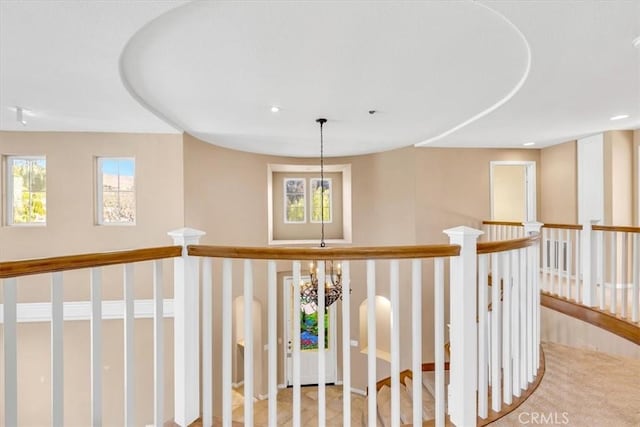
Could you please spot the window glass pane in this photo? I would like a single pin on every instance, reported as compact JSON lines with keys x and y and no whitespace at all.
{"x":127,"y":208}
{"x":295,"y":200}
{"x":117,"y":191}
{"x":127,"y":173}
{"x":38,"y":175}
{"x":295,"y":208}
{"x":320,"y":200}
{"x":27,"y":185}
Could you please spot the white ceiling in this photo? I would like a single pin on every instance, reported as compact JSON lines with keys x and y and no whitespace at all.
{"x":472,"y":74}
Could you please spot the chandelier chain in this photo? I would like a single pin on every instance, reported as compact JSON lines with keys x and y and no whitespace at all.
{"x":322,"y":243}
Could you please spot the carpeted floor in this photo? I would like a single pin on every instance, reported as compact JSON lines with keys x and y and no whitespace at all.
{"x":582,"y":388}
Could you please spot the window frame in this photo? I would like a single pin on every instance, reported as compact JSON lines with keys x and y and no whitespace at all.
{"x":8,"y":161}
{"x":285,"y":199}
{"x":344,"y":169}
{"x":99,"y":220}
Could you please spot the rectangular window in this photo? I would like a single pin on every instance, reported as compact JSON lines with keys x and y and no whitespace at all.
{"x":320,"y":200}
{"x":27,"y":190}
{"x":116,"y":190}
{"x":295,"y":200}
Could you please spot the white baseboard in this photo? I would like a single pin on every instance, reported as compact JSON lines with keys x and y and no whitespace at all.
{"x":81,"y":310}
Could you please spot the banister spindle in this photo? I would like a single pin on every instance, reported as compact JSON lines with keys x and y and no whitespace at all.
{"x":227,"y":344}
{"x":296,"y":345}
{"x":394,"y":279}
{"x":207,"y":343}
{"x":248,"y":344}
{"x":438,"y":314}
{"x":96,"y":347}
{"x":272,"y":309}
{"x":129,"y":349}
{"x":416,"y":338}
{"x":371,"y":343}
{"x":483,"y":363}
{"x":322,"y":375}
{"x":346,"y":343}
{"x":57,"y":352}
{"x":10,"y":353}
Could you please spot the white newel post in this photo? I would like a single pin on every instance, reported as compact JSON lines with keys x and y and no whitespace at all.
{"x":186,"y":340}
{"x":531,"y":228}
{"x":464,"y":329}
{"x":589,"y":263}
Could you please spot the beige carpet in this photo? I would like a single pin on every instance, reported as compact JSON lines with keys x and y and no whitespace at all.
{"x":582,"y":388}
{"x":309,"y":408}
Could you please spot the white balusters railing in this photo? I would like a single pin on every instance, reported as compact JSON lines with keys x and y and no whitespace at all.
{"x":493,"y":334}
{"x":615,"y":286}
{"x":501,"y":230}
{"x":508,"y":333}
{"x":57,"y":312}
{"x":562,"y":266}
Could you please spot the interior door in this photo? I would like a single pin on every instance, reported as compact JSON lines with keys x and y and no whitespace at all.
{"x":308,"y":330}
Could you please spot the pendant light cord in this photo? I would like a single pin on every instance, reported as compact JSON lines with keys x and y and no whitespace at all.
{"x":322,"y":121}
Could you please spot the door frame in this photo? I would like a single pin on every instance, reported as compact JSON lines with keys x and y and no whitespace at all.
{"x":529,"y":184}
{"x":330,"y":357}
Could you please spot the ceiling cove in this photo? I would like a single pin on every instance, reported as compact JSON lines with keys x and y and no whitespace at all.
{"x":217,"y":69}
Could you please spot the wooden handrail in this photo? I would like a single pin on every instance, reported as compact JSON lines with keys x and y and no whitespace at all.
{"x":73,"y":262}
{"x":355,"y":253}
{"x":507,"y":245}
{"x":514,"y":224}
{"x":626,"y":229}
{"x":564,"y":226}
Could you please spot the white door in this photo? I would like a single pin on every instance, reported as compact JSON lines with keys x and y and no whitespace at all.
{"x":309,"y":340}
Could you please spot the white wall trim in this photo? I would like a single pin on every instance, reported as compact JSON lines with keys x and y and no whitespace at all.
{"x":530,"y":185}
{"x":81,"y":310}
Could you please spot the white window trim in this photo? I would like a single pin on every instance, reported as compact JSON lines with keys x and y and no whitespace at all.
{"x":99,"y":191}
{"x":9,"y":186}
{"x":346,"y":201}
{"x":330,"y":220}
{"x":284,"y":192}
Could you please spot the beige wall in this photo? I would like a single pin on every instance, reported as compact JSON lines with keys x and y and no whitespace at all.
{"x":404,"y":196}
{"x":563,"y":329}
{"x":558,"y":184}
{"x":71,"y":229}
{"x":509,"y":193}
{"x":618,"y":177}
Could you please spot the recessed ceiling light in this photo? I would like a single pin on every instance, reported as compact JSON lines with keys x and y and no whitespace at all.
{"x":528,"y":144}
{"x":275,"y":109}
{"x":636,"y":42}
{"x":619,"y":117}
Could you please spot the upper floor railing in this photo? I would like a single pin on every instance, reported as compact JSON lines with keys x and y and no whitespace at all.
{"x":492,"y":323}
{"x":589,"y":264}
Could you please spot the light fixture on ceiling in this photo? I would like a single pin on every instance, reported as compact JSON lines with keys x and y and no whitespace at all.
{"x":275,"y":109}
{"x":619,"y":117}
{"x":529,"y":144}
{"x":636,"y":42}
{"x":332,"y":271}
{"x":20,"y":116}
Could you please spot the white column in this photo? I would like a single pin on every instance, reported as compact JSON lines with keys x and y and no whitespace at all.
{"x":186,"y":329}
{"x":463,"y":335}
{"x":589,"y":264}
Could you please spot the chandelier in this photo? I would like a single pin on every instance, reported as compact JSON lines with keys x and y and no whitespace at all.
{"x":332,"y":272}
